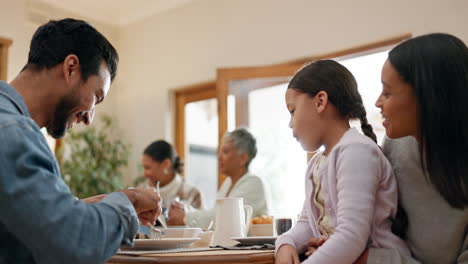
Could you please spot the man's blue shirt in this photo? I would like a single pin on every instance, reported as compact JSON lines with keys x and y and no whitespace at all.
{"x":40,"y":220}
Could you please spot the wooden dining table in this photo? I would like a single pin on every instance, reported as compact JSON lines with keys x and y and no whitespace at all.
{"x":199,"y":257}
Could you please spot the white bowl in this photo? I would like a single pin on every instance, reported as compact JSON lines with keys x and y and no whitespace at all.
{"x":181,"y":232}
{"x":261,"y":229}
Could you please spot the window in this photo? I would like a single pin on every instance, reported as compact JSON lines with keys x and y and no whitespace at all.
{"x":196,"y":136}
{"x":367,"y":69}
{"x":201,"y":137}
{"x":254,"y":97}
{"x":259,"y":93}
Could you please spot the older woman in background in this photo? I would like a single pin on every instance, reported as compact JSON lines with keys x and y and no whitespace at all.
{"x":238,"y":149}
{"x":161,"y":163}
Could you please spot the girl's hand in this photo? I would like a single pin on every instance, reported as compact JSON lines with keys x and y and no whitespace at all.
{"x":287,"y":255}
{"x":314,"y":243}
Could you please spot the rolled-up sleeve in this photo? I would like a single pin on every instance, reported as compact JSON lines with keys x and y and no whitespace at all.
{"x":126,"y":212}
{"x":39,"y":210}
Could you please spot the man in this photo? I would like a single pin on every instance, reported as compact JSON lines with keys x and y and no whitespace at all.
{"x":69,"y":70}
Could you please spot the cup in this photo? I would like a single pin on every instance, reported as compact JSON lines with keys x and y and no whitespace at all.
{"x":282,"y":225}
{"x":231,"y":221}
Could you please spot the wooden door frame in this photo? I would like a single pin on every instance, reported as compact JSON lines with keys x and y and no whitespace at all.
{"x":219,"y":88}
{"x":226,"y":75}
{"x":4,"y":46}
{"x":183,"y":96}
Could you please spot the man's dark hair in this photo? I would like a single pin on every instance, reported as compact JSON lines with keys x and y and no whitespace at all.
{"x":57,"y":39}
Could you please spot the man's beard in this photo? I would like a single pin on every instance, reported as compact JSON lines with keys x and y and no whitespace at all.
{"x":62,"y":114}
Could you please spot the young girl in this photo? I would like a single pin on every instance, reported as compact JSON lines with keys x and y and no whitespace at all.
{"x":351,"y":194}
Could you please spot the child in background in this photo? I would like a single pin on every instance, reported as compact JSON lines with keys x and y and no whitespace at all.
{"x":351,"y":193}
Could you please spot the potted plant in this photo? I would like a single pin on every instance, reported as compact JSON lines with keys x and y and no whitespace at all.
{"x":91,"y":159}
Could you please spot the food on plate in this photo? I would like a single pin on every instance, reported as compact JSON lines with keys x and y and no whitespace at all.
{"x":262,"y":220}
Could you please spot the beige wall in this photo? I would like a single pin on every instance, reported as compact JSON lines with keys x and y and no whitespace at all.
{"x":186,"y":45}
{"x":18,"y":21}
{"x":13,"y":26}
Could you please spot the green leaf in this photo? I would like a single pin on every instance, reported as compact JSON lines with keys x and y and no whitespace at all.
{"x":94,"y":160}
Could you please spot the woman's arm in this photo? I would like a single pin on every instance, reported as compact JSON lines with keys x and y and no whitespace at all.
{"x":388,"y":256}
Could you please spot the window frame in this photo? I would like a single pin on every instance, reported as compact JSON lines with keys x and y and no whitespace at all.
{"x":219,"y":88}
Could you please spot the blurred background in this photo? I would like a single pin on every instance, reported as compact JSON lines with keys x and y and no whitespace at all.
{"x":192,"y":69}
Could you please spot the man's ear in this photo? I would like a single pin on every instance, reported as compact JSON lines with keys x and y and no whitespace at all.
{"x":71,"y":69}
{"x":321,"y":101}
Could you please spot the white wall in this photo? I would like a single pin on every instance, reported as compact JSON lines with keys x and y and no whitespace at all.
{"x":186,"y":45}
{"x":13,"y":26}
{"x":18,"y":21}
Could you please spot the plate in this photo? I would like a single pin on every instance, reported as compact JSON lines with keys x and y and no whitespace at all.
{"x":256,"y":240}
{"x":163,"y":243}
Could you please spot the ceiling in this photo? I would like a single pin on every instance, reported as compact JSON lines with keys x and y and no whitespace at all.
{"x":115,"y":12}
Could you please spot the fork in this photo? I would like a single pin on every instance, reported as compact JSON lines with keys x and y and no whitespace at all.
{"x":156,"y":231}
{"x":163,"y":222}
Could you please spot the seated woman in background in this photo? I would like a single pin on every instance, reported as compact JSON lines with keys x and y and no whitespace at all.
{"x":161,"y":163}
{"x":238,"y":149}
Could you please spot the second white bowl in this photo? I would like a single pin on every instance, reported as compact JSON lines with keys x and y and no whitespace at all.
{"x":181,"y":232}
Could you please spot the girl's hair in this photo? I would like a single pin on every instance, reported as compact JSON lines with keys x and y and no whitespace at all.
{"x":436,"y":67}
{"x":161,"y":150}
{"x":339,"y":84}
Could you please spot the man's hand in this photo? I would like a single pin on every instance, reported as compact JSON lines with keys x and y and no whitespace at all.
{"x":314,"y":243}
{"x":147,"y":204}
{"x":94,"y":199}
{"x":149,"y":217}
{"x":176,"y":214}
{"x":287,"y":255}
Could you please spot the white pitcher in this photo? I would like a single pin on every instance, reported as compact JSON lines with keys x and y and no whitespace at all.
{"x":231,"y":221}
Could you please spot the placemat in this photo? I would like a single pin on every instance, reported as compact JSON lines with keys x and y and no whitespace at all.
{"x":162,"y":251}
{"x":214,"y":252}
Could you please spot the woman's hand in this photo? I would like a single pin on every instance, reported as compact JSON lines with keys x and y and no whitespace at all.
{"x":314,"y":243}
{"x":287,"y":255}
{"x":176,"y":215}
